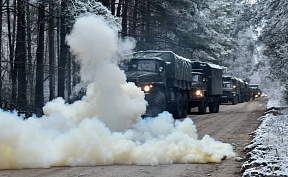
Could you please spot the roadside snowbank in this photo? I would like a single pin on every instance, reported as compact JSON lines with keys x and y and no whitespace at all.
{"x":268,"y":154}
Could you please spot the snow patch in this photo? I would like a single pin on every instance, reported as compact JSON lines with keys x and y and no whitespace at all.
{"x":268,"y":155}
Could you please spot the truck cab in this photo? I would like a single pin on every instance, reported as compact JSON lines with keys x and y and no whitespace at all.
{"x":146,"y":72}
{"x":231,"y":90}
{"x":255,"y":91}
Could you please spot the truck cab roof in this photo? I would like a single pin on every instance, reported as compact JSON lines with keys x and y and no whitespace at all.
{"x":202,"y":65}
{"x":147,"y":58}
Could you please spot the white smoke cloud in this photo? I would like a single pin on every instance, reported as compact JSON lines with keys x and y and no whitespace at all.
{"x":56,"y":141}
{"x":87,"y":132}
{"x":108,"y":97}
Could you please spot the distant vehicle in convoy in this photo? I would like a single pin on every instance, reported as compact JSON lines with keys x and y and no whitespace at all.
{"x":206,"y":88}
{"x":264,"y":94}
{"x":241,"y":97}
{"x":255,"y":91}
{"x":231,"y":90}
{"x":247,"y":93}
{"x":165,"y":78}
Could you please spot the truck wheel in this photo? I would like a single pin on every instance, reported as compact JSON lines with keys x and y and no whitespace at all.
{"x":212,"y":107}
{"x":241,"y":99}
{"x":158,"y":104}
{"x":177,"y":106}
{"x":185,"y":105}
{"x":217,"y":105}
{"x":234,"y":101}
{"x":202,"y":107}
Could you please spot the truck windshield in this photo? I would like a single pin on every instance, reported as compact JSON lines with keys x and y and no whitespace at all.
{"x":142,"y":65}
{"x":197,"y":78}
{"x":227,"y":85}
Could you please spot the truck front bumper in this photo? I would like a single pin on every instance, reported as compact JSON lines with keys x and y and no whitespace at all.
{"x":227,"y":98}
{"x":195,"y":101}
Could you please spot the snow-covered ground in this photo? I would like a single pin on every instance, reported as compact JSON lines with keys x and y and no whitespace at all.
{"x":269,"y":147}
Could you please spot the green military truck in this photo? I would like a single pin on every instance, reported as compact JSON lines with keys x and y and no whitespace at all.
{"x":247,"y":93}
{"x":231,"y":90}
{"x":165,"y":79}
{"x":206,"y":88}
{"x":255,"y":91}
{"x":241,"y":96}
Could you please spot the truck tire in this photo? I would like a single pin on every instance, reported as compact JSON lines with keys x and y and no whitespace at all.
{"x":185,"y":105}
{"x":217,"y":105}
{"x":241,"y":99}
{"x":234,"y":101}
{"x":177,"y":106}
{"x":202,"y":107}
{"x":158,"y":104}
{"x":212,"y":107}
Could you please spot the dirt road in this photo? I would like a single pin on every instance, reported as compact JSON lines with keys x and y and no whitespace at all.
{"x":232,"y":125}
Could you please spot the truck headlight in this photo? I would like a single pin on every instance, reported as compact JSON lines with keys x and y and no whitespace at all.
{"x":199,"y":93}
{"x":234,"y":86}
{"x":147,"y":88}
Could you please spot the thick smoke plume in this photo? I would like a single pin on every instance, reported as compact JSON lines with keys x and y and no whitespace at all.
{"x":108,"y":97}
{"x":104,"y":127}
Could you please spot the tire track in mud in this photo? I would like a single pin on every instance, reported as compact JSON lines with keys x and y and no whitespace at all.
{"x":228,"y":117}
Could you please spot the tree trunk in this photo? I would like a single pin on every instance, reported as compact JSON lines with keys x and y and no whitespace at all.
{"x":69,"y":80}
{"x":11,"y":39}
{"x":149,"y":18}
{"x":20,"y":55}
{"x":124,"y":18}
{"x":76,"y":70}
{"x":113,"y":7}
{"x":39,"y":92}
{"x":1,"y":97}
{"x":51,"y":52}
{"x":119,"y":8}
{"x":30,"y":79}
{"x":130,"y":16}
{"x":63,"y":53}
{"x":135,"y":17}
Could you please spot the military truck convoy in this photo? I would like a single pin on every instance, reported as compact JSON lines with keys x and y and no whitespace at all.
{"x":176,"y":84}
{"x":235,"y":90}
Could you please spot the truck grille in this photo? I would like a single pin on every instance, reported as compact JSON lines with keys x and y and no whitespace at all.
{"x":132,"y":79}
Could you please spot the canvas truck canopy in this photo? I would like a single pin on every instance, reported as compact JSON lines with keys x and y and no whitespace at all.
{"x":180,"y":68}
